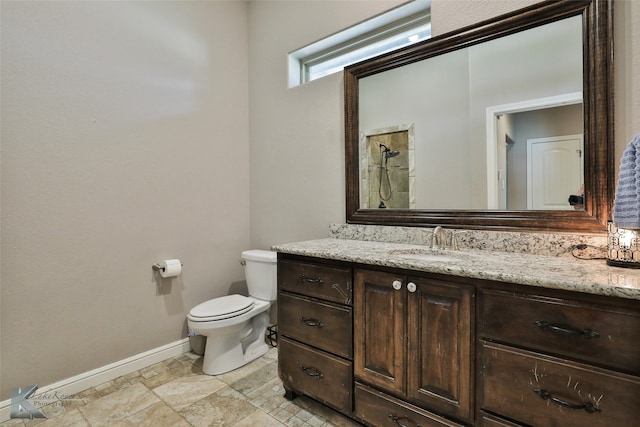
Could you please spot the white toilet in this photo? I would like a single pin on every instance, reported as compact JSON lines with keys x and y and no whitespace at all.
{"x":235,"y":325}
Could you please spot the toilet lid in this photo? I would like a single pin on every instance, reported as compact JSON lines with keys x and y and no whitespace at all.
{"x":222,"y":308}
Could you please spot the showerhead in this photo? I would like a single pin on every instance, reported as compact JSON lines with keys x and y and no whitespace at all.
{"x":388,"y":153}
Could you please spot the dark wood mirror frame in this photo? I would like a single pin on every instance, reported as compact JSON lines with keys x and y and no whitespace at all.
{"x":597,"y":17}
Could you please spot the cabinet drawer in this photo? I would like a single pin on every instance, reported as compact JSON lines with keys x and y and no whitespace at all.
{"x":487,"y":420}
{"x":316,"y":280}
{"x":603,"y":335}
{"x":317,"y":374}
{"x":378,"y":409}
{"x":322,"y":325}
{"x":540,"y":390}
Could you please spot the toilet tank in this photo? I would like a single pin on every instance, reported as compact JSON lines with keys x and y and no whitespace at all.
{"x":260,"y":271}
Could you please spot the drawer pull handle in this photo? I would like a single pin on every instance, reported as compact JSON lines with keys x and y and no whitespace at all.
{"x":546,"y":395}
{"x":309,"y":280}
{"x":311,"y":322}
{"x":312,"y":372}
{"x":395,"y":419}
{"x":566,"y":330}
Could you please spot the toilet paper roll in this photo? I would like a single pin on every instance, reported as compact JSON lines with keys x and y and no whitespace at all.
{"x":170,"y":268}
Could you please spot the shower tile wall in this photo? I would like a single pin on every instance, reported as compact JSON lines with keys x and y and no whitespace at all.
{"x":396,"y":189}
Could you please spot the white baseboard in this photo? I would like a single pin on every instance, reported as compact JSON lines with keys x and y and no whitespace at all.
{"x":106,"y":373}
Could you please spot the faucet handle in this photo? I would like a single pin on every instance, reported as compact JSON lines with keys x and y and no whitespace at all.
{"x":454,"y":238}
{"x":432,"y":238}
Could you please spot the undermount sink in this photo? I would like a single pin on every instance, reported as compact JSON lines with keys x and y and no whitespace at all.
{"x":432,"y":255}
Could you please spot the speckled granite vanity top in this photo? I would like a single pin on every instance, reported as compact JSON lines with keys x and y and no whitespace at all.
{"x":548,"y":271}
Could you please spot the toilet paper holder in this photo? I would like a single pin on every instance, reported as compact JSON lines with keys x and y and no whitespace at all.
{"x":158,"y":267}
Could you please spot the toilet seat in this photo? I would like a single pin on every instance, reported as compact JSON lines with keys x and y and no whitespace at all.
{"x":221,"y":308}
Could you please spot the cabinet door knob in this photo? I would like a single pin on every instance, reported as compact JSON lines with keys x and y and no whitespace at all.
{"x":411,"y":287}
{"x":397,"y":284}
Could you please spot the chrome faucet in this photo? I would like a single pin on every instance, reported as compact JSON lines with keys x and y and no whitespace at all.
{"x":439,"y":239}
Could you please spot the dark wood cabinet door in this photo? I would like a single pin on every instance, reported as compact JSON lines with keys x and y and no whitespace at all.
{"x":380,"y":329}
{"x":440,"y":359}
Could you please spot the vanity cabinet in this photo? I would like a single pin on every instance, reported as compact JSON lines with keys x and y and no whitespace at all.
{"x":315,"y":321}
{"x":413,"y":340}
{"x":393,"y":347}
{"x":552,"y":359}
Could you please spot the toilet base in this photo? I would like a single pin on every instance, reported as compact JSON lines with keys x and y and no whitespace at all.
{"x":226,"y":352}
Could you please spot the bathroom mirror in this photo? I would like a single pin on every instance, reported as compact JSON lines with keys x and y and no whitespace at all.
{"x":453,"y":131}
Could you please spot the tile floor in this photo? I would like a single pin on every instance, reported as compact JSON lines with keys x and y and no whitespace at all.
{"x":175,"y":393}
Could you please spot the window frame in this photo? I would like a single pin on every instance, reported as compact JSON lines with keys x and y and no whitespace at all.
{"x":381,"y":34}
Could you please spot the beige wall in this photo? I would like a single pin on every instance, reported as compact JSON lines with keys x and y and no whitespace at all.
{"x":449,"y":15}
{"x":124,"y":142}
{"x":128,"y":134}
{"x":297,"y":135}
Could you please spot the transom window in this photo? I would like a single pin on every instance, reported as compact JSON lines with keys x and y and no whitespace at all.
{"x":402,"y":26}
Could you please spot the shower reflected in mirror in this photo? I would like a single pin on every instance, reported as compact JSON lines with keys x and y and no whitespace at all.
{"x":384,"y":183}
{"x":387,"y":156}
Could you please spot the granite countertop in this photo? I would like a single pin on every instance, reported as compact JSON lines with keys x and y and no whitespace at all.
{"x":557,"y":272}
